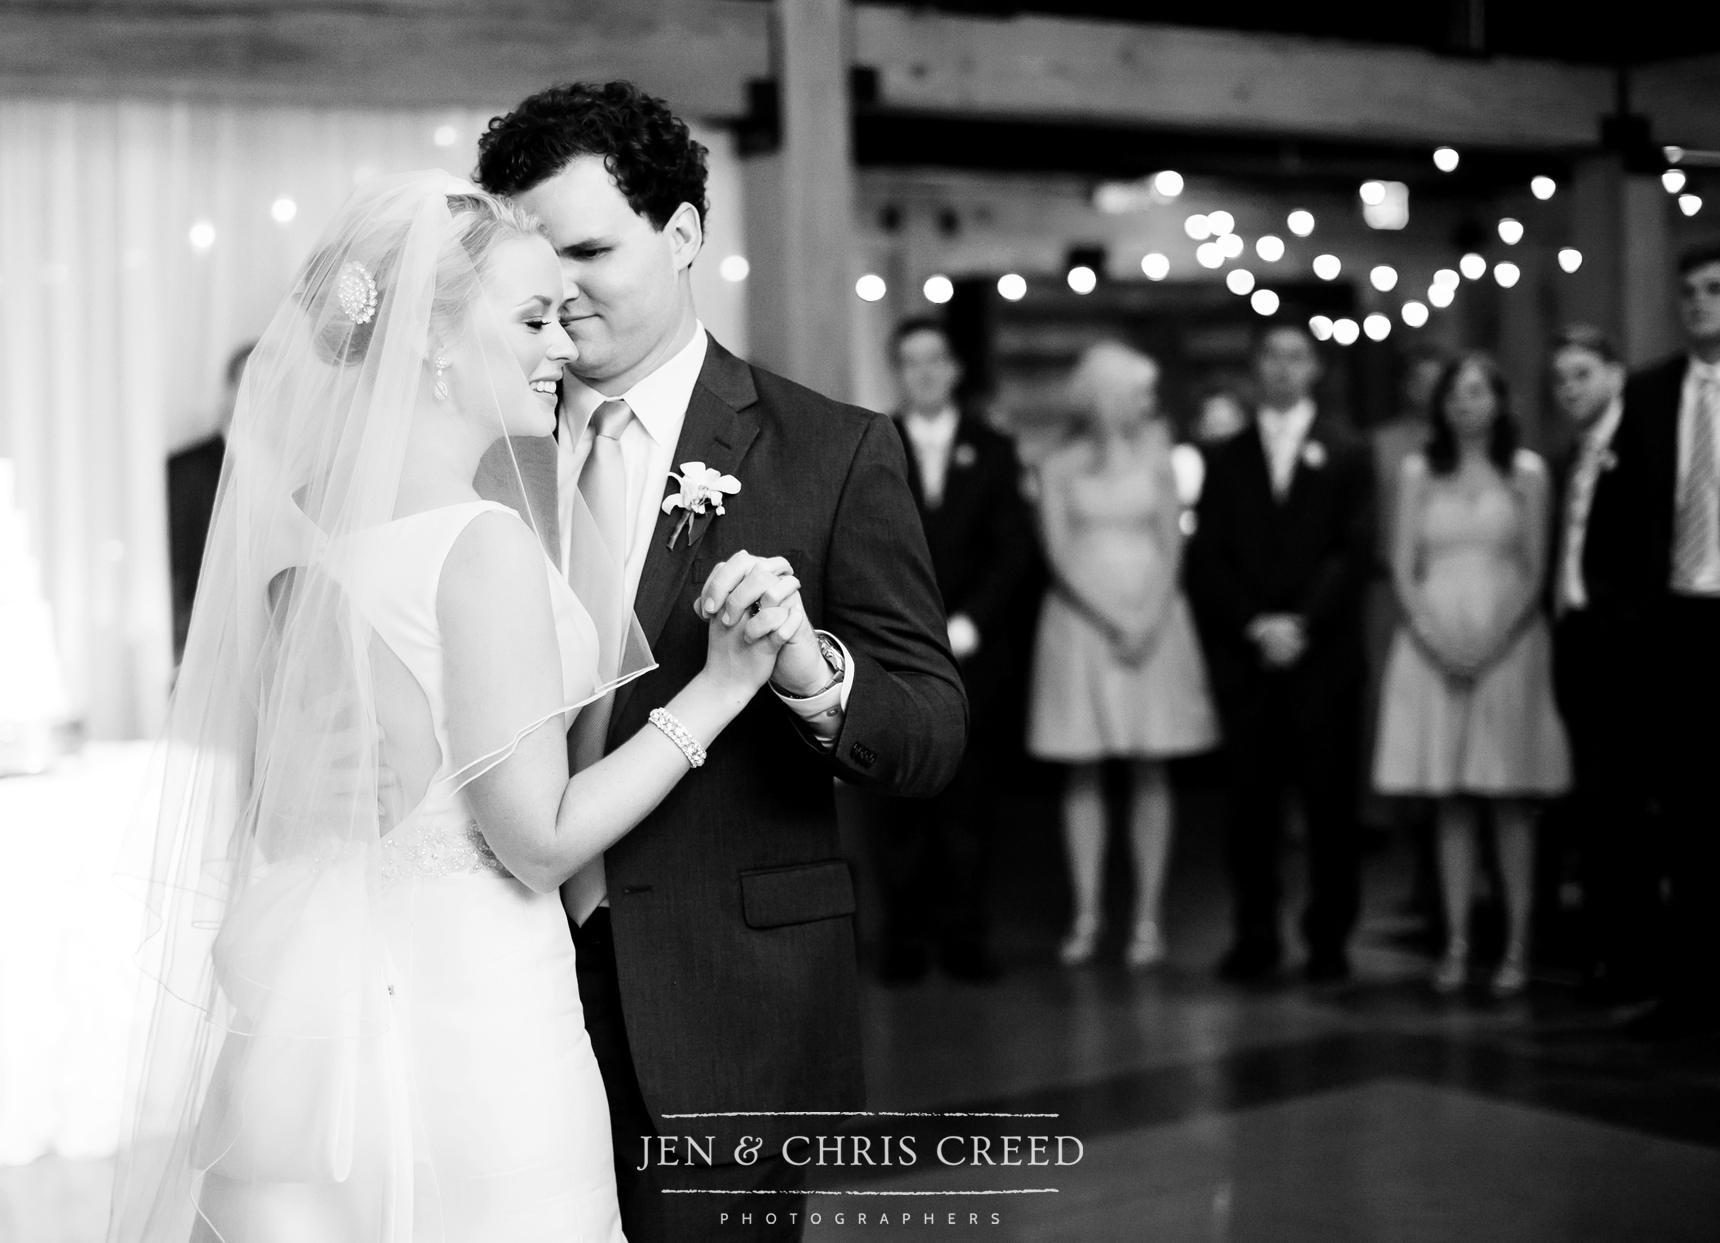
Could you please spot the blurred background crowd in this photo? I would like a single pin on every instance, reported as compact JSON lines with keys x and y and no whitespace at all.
{"x":1315,"y":424}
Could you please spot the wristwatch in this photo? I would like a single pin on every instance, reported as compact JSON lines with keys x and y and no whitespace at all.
{"x":832,"y":652}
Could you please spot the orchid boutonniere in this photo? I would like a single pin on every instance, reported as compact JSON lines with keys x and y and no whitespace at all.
{"x":1313,"y":455}
{"x":701,"y":487}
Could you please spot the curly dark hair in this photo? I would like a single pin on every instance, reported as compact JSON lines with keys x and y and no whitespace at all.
{"x":656,"y":163}
{"x":1502,"y":439}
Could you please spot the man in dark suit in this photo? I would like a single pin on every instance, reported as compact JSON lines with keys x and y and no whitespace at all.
{"x":931,"y":855}
{"x":1668,"y":452}
{"x":1599,"y":677}
{"x":716,"y":947}
{"x":193,"y":475}
{"x":1276,"y":571}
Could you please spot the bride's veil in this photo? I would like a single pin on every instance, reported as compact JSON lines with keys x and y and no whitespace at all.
{"x":263,"y":1053}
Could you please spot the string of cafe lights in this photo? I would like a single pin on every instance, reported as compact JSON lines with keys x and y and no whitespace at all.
{"x":1218,"y":242}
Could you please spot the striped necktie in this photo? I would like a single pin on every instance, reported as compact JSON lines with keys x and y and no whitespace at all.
{"x":1696,"y":537}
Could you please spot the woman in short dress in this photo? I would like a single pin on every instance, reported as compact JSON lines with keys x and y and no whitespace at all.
{"x":1467,"y":714}
{"x":1117,"y":670}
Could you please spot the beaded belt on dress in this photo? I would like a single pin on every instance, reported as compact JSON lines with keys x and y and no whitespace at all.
{"x":440,"y":846}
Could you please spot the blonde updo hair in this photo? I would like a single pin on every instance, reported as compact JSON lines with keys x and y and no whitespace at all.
{"x":1102,"y":366}
{"x":482,"y":222}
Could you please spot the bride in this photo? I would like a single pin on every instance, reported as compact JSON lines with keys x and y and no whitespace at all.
{"x":365,"y":1023}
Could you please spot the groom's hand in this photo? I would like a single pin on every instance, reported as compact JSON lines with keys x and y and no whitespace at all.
{"x":745,"y":582}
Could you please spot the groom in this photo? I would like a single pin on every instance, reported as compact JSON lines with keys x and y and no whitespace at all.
{"x":716,"y":944}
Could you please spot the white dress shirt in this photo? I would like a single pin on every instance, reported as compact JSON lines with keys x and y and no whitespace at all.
{"x":934,"y":439}
{"x":1580,"y":499}
{"x":1706,"y":580}
{"x":659,"y":404}
{"x":1281,"y":435}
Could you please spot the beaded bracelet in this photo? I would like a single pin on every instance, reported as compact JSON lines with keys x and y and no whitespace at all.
{"x":677,"y":734}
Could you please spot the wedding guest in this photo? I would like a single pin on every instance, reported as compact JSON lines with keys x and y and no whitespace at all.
{"x":1668,"y":452}
{"x":1276,"y":570}
{"x":1598,"y":673}
{"x":1117,"y":671}
{"x":193,"y":474}
{"x":1467,"y":715}
{"x":931,"y":855}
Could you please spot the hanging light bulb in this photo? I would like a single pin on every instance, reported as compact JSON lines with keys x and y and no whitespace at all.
{"x":1270,"y":248}
{"x":1264,"y":302}
{"x":1445,"y":159}
{"x":1321,"y":327}
{"x":1345,"y":331}
{"x":1414,"y":313}
{"x":1327,"y":267}
{"x":1012,"y":287}
{"x":1510,"y":231}
{"x":1198,"y":227}
{"x":1239,"y":281}
{"x":1473,"y":266}
{"x":1377,"y":326}
{"x":1542,"y":187}
{"x":1441,"y":296}
{"x":1673,"y":179}
{"x":1570,"y":258}
{"x":1154,"y":266}
{"x":1383,"y":278}
{"x":1300,"y":222}
{"x":1507,"y":274}
{"x":938,"y":289}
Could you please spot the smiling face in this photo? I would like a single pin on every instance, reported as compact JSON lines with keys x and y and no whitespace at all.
{"x":519,"y":336}
{"x":1584,"y":384}
{"x":627,"y":299}
{"x":1471,"y":405}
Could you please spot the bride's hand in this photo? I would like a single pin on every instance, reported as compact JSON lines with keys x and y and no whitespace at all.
{"x":753,"y":608}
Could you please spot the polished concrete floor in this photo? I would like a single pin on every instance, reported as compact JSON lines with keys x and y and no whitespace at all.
{"x":1371,"y":1110}
{"x":1366,"y":1111}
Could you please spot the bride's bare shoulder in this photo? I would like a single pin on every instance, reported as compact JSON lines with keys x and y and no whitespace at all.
{"x":494,"y":574}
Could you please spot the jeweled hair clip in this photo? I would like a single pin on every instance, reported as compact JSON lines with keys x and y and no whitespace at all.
{"x":355,"y":292}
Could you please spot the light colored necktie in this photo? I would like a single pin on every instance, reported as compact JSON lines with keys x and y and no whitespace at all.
{"x":1698,"y":520}
{"x":603,"y":485}
{"x":1573,"y":592}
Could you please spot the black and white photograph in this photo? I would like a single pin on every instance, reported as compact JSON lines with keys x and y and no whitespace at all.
{"x":685,"y":621}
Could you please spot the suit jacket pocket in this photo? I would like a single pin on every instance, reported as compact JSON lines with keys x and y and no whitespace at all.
{"x":773,"y":897}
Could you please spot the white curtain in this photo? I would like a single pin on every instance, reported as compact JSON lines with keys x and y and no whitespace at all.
{"x":140,"y":244}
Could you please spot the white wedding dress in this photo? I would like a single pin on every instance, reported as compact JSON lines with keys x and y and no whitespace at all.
{"x":470,"y":1110}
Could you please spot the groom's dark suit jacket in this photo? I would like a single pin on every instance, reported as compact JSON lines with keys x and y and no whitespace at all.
{"x":731,"y":903}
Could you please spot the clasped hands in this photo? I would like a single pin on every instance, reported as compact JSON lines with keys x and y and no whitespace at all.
{"x":1281,"y":638}
{"x":759,"y":630}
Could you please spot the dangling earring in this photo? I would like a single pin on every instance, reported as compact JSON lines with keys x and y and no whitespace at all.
{"x":441,"y":386}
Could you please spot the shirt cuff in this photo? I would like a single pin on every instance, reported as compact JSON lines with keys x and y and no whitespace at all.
{"x":822,"y":714}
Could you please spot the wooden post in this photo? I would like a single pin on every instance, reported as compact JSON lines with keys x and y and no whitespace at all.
{"x":817,"y":194}
{"x":1626,"y":285}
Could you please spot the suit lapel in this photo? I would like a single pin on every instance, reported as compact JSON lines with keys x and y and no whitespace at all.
{"x":718,"y":431}
{"x":1304,"y":474}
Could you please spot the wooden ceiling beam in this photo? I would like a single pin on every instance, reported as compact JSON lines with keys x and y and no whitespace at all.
{"x":698,"y":55}
{"x":1143,"y":75}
